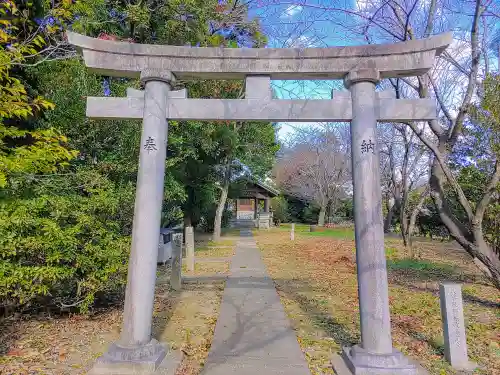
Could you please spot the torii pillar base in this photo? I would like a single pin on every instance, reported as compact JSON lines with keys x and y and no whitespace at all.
{"x":357,"y":361}
{"x":151,"y":359}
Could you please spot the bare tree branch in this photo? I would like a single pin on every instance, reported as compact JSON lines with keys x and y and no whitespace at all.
{"x":475,"y":52}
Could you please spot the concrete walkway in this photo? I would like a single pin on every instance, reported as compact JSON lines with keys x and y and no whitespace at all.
{"x":253,"y":335}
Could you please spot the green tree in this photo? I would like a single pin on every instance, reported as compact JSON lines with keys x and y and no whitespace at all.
{"x":65,"y":236}
{"x":24,"y":150}
{"x":195,"y":159}
{"x":66,"y":243}
{"x":177,"y":22}
{"x":65,"y":220}
{"x":280,"y":209}
{"x":249,"y":148}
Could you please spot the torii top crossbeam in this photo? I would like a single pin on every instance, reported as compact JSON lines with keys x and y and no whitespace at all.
{"x":259,"y":66}
{"x":123,"y":59}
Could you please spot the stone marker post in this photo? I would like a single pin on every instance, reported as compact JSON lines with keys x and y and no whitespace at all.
{"x":190,"y":248}
{"x":176,"y":275}
{"x":452,"y":315}
{"x":292,"y":232}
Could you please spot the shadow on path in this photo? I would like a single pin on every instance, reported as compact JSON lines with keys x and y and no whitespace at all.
{"x":310,"y":308}
{"x":321,"y":319}
{"x":166,"y":300}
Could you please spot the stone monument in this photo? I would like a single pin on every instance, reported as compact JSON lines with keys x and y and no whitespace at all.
{"x":176,"y":274}
{"x":190,"y":248}
{"x":361,"y":67}
{"x":452,"y":315}
{"x":264,"y":220}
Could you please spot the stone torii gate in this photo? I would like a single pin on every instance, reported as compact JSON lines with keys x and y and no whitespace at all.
{"x":361,"y":67}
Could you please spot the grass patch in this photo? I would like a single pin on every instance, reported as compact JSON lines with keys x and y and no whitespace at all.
{"x":391,"y":253}
{"x":222,"y":243}
{"x":422,"y":269}
{"x":215,"y":252}
{"x":420,"y":265}
{"x":305,"y":229}
{"x":204,"y":269}
{"x":344,"y":233}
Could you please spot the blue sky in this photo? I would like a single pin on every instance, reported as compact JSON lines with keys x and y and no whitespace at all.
{"x":323,"y":23}
{"x":289,"y":24}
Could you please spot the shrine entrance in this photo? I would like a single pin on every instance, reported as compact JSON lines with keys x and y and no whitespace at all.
{"x":361,"y":68}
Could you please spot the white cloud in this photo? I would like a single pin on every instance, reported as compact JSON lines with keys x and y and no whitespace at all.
{"x":287,"y":129}
{"x":365,"y":6}
{"x":291,"y":11}
{"x":301,"y":41}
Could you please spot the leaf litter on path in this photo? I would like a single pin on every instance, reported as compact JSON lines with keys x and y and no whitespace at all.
{"x":316,"y":280}
{"x":69,"y":345}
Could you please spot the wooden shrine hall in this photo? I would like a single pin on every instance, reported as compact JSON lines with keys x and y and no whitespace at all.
{"x":252,"y":204}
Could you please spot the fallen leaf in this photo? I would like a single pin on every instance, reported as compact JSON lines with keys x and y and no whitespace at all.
{"x":15,"y":352}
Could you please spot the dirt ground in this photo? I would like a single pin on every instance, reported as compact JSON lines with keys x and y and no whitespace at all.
{"x":316,"y":279}
{"x":69,"y":344}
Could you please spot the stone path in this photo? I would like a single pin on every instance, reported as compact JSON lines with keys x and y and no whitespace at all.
{"x":253,"y":335}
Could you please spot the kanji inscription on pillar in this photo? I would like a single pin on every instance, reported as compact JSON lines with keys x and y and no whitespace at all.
{"x":150,"y":145}
{"x":367,"y":146}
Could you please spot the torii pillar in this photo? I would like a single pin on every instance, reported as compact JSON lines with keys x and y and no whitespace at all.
{"x":375,"y":354}
{"x":137,"y":352}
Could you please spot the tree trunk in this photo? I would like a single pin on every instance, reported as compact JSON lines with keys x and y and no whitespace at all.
{"x":486,"y":260}
{"x":413,"y":220}
{"x":220,"y":211}
{"x":485,"y":255}
{"x":469,"y":232}
{"x":403,"y":218}
{"x":388,"y":218}
{"x":472,"y":240}
{"x":321,"y":217}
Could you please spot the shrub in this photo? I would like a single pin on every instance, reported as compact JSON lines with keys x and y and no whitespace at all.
{"x":207,"y":220}
{"x":280,"y":209}
{"x":66,"y":248}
